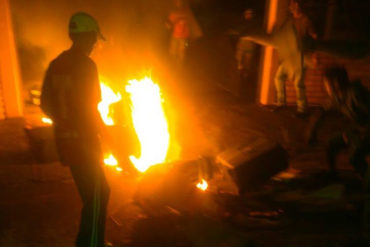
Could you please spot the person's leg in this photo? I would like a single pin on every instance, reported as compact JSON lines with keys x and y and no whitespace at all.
{"x":94,"y":195}
{"x":104,"y":193}
{"x":358,"y":160}
{"x":239,"y":55}
{"x":280,"y":79}
{"x":366,"y":215}
{"x":300,"y":90}
{"x":358,"y":148}
{"x":335,"y":145}
{"x":94,"y":192}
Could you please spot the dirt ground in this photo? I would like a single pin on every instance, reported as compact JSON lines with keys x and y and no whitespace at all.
{"x":39,"y":204}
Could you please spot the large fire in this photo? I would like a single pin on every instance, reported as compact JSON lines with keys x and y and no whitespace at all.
{"x":148,"y":118}
{"x":150,"y":123}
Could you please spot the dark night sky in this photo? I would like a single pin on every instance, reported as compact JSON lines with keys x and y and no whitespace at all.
{"x":41,"y":31}
{"x":135,"y":29}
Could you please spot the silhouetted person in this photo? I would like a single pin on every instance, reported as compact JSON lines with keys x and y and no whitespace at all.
{"x":296,"y":72}
{"x":246,"y":54}
{"x":352,"y":100}
{"x":184,"y":28}
{"x":70,"y":95}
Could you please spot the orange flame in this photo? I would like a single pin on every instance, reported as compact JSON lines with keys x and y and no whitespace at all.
{"x":110,"y":160}
{"x":203,"y":185}
{"x":46,"y":120}
{"x":108,"y":98}
{"x":150,"y":123}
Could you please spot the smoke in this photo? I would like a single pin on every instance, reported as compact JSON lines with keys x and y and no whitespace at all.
{"x":134,"y":30}
{"x":137,"y":38}
{"x":32,"y":60}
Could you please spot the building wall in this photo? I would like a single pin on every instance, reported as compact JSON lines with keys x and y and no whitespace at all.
{"x":11,"y":102}
{"x":358,"y":69}
{"x":2,"y":103}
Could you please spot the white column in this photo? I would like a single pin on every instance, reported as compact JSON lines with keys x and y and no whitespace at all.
{"x":266,"y":76}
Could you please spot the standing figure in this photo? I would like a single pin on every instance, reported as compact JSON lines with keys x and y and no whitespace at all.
{"x":246,"y":54}
{"x":245,"y":48}
{"x":184,"y":27}
{"x":295,"y":71}
{"x":288,"y":41}
{"x":70,"y":95}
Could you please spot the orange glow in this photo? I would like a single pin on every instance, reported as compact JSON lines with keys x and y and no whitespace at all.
{"x":150,"y":123}
{"x":110,"y":160}
{"x":46,"y":120}
{"x":268,"y":55}
{"x":273,"y":7}
{"x":108,"y":98}
{"x":10,"y":75}
{"x":203,"y":185}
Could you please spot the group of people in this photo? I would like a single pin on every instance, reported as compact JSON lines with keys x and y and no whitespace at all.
{"x":71,"y":93}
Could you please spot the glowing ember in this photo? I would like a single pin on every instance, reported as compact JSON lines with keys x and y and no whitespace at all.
{"x":108,"y":98}
{"x":119,"y":169}
{"x":110,"y":160}
{"x":150,"y":123}
{"x":202,"y":185}
{"x":46,"y":120}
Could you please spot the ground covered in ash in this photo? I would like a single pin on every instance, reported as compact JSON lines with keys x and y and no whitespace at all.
{"x":39,"y":204}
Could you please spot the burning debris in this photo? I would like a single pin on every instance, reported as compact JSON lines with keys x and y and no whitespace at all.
{"x":184,"y":189}
{"x":236,"y":170}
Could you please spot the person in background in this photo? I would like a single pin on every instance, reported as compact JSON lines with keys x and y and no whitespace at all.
{"x":352,"y":100}
{"x":246,"y":48}
{"x":246,"y":52}
{"x":70,"y":96}
{"x":303,"y":29}
{"x":184,"y":28}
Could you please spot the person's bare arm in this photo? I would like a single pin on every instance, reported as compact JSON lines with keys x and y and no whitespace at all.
{"x":261,"y":39}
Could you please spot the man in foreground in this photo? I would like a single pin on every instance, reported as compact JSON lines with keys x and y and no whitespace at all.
{"x":70,"y":95}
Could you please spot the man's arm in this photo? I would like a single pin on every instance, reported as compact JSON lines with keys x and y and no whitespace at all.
{"x":47,"y":95}
{"x":261,"y":39}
